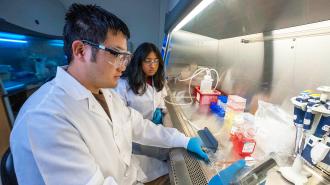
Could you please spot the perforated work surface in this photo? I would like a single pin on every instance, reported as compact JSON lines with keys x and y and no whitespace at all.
{"x":195,"y":171}
{"x":191,"y":173}
{"x":173,"y":170}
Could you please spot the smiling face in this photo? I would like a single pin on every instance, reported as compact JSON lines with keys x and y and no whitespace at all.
{"x":149,"y":66}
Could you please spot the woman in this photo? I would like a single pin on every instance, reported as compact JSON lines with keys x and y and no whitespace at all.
{"x":142,"y":88}
{"x":142,"y":84}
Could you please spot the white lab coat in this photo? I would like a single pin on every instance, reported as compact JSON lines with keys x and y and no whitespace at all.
{"x":62,"y":136}
{"x":146,"y":105}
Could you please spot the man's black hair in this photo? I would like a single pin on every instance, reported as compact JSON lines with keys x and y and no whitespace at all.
{"x":92,"y":23}
{"x":137,"y":79}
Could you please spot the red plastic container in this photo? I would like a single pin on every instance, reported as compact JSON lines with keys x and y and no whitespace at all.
{"x":206,"y":98}
{"x":242,"y":145}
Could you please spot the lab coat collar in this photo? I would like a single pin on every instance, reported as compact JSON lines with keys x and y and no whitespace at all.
{"x":77,"y":91}
{"x":70,"y":85}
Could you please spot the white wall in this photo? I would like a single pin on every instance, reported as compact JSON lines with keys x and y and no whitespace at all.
{"x":49,"y":13}
{"x":145,"y":18}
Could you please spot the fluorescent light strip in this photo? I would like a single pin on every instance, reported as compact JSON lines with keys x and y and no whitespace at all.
{"x":12,"y":36}
{"x":13,"y":40}
{"x":14,"y":87}
{"x":57,"y":41}
{"x":57,"y":44}
{"x":200,"y":7}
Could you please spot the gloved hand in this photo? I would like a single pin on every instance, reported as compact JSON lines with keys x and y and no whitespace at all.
{"x":195,"y":145}
{"x":227,"y":175}
{"x":158,"y":116}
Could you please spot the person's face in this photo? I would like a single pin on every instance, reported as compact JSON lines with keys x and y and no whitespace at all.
{"x":103,"y":73}
{"x":150,"y":64}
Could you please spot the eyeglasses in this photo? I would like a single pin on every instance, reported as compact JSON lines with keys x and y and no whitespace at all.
{"x":122,"y":57}
{"x":150,"y":62}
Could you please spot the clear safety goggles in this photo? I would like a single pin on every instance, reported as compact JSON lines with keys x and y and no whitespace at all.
{"x":122,"y":57}
{"x":150,"y":62}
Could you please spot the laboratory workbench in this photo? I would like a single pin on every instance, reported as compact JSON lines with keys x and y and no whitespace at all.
{"x":185,"y":169}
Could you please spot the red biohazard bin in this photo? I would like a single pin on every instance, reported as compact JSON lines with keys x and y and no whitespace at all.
{"x":206,"y":98}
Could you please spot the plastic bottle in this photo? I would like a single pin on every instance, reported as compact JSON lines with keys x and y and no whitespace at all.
{"x":206,"y":83}
{"x":237,"y":125}
{"x":242,"y":135}
{"x":235,"y":106}
{"x":243,"y":145}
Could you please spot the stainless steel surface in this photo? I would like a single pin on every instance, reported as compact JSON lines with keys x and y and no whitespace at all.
{"x":232,"y":18}
{"x":275,"y":178}
{"x":184,"y":169}
{"x":178,"y":169}
{"x":200,"y":116}
{"x":273,"y":71}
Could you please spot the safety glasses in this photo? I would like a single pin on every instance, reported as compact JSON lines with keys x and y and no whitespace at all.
{"x":150,"y":62}
{"x":122,"y":57}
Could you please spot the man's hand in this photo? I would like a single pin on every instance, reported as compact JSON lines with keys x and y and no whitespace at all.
{"x":195,"y":145}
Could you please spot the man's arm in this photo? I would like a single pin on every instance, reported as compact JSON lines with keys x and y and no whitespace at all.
{"x":60,"y":153}
{"x":147,"y":133}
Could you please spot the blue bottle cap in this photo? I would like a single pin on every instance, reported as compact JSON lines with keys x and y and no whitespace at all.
{"x":217,"y":109}
{"x":223,"y":98}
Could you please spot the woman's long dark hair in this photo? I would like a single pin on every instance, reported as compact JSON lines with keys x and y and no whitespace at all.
{"x":137,"y":79}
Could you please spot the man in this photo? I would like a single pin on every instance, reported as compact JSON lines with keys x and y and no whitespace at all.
{"x":74,"y":131}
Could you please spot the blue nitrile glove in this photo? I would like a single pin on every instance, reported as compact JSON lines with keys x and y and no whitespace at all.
{"x":158,"y":116}
{"x":227,"y":175}
{"x":195,"y":145}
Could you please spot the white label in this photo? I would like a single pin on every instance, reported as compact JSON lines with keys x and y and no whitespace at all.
{"x":198,"y":97}
{"x":248,"y":147}
{"x":307,"y":122}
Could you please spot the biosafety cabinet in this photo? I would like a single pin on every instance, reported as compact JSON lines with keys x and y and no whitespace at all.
{"x":28,"y":60}
{"x":263,"y":50}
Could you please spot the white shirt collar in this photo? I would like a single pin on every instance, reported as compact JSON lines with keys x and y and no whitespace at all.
{"x":70,"y":85}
